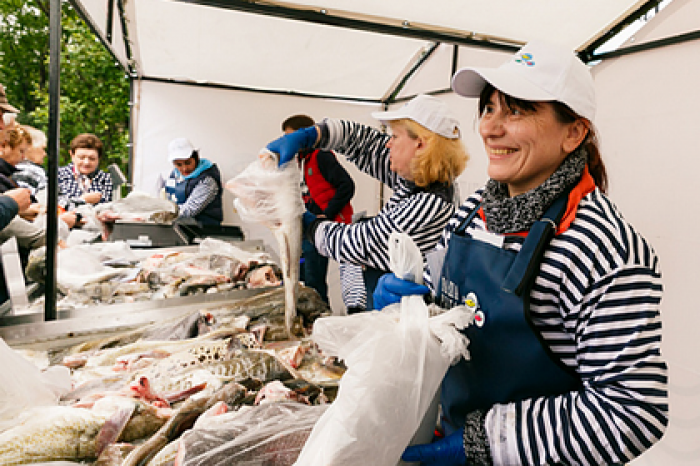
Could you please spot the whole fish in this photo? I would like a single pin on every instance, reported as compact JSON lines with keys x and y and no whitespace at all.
{"x":181,"y":371}
{"x":53,"y":434}
{"x":271,"y":195}
{"x":72,"y":434}
{"x":184,"y":418}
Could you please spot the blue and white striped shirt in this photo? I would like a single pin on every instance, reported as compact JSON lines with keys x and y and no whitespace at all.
{"x":596,"y":302}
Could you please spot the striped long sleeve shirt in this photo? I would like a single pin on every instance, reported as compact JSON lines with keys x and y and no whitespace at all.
{"x":200,"y":197}
{"x":421,"y":214}
{"x":596,"y":303}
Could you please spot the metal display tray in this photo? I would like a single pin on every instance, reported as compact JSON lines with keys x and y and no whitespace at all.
{"x":76,"y":325}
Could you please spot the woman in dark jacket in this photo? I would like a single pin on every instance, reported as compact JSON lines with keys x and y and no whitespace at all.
{"x":194,"y":184}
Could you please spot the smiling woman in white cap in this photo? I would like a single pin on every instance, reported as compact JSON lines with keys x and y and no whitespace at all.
{"x":565,"y":364}
{"x":194,"y":184}
{"x":419,"y":161}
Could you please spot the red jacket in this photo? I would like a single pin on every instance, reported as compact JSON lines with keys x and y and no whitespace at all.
{"x":330,"y":186}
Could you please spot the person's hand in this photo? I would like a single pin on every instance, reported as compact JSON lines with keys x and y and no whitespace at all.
{"x":91,"y":198}
{"x":70,"y":218}
{"x":108,"y":216}
{"x":290,"y":144}
{"x":390,"y":289}
{"x":22,"y":197}
{"x":448,"y":451}
{"x":31,"y":212}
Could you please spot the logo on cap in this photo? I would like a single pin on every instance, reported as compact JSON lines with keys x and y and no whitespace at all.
{"x":525,"y":59}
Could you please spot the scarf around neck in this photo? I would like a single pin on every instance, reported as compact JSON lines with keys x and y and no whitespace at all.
{"x":505,"y":214}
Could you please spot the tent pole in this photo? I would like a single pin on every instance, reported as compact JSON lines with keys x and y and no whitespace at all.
{"x":107,"y":43}
{"x":654,"y":44}
{"x":323,"y":17}
{"x":587,"y":53}
{"x":422,"y":59}
{"x":53,"y":156}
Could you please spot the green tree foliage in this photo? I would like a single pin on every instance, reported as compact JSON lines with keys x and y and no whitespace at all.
{"x":94,"y":89}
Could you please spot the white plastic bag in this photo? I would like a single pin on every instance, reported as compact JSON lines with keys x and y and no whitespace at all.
{"x":396,"y":363}
{"x":395,"y":367}
{"x":22,"y":386}
{"x":267,"y":194}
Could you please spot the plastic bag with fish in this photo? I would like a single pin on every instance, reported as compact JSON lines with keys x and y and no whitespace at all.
{"x":271,"y":195}
{"x":268,"y":434}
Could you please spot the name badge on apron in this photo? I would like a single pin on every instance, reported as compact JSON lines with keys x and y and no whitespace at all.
{"x":493,"y":239}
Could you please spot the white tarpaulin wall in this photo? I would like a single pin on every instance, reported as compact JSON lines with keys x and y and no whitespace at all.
{"x":647,"y":119}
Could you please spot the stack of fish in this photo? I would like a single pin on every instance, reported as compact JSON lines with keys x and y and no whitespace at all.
{"x":136,"y":392}
{"x":107,"y":273}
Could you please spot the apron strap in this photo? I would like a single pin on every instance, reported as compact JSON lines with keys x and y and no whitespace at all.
{"x":524,"y":269}
{"x":465,"y":223}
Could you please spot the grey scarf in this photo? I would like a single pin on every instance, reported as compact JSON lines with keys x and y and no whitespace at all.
{"x":505,"y":214}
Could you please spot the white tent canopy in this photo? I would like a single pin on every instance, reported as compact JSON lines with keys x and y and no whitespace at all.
{"x":226,"y":73}
{"x":359,"y":49}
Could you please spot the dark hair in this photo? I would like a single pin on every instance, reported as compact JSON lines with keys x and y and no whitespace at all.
{"x":195,"y":156}
{"x":87,"y":141}
{"x":564,"y":114}
{"x":297,"y":122}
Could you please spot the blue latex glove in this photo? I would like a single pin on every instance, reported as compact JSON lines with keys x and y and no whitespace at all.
{"x":448,"y":451}
{"x":290,"y":144}
{"x":307,"y":219}
{"x":390,"y":289}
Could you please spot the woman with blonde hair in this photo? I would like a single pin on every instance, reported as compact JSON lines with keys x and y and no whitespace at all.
{"x":14,"y":143}
{"x":419,"y":161}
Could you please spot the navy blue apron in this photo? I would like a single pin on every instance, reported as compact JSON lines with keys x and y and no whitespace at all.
{"x":508,"y":359}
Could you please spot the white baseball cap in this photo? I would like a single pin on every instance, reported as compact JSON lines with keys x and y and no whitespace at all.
{"x":539,"y":72}
{"x":180,"y":149}
{"x":428,"y":112}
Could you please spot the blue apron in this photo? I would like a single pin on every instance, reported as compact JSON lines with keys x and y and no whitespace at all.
{"x":508,"y":359}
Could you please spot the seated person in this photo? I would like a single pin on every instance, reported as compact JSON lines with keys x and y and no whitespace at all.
{"x":81,"y":181}
{"x":13,"y":144}
{"x":194,"y":184}
{"x":30,"y":171}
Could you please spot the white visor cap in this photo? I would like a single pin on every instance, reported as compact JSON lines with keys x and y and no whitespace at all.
{"x":180,"y":149}
{"x":538,"y":72}
{"x":427,"y":111}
